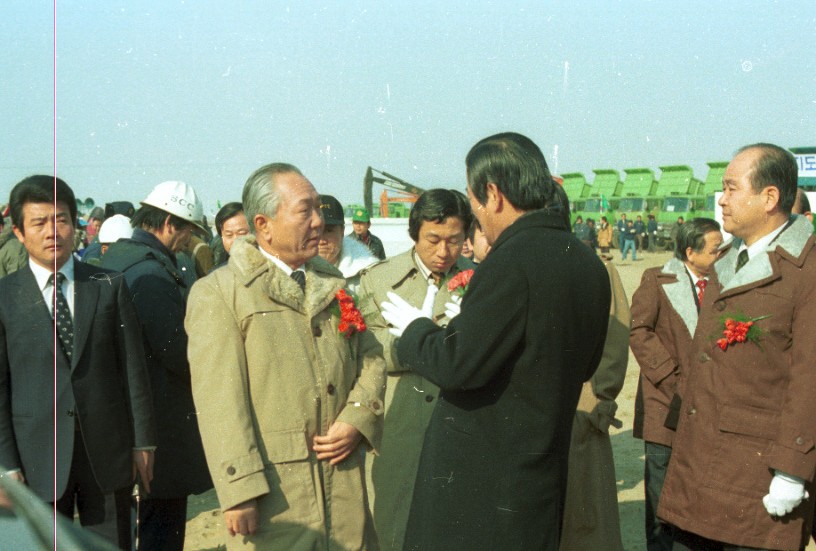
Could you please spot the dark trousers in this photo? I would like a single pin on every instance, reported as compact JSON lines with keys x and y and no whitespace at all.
{"x":686,"y":541}
{"x":107,"y":515}
{"x":659,"y":535}
{"x":161,"y":524}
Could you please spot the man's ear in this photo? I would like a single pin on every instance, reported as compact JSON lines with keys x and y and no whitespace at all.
{"x":494,"y":199}
{"x":18,"y":232}
{"x":261,"y":224}
{"x":772,"y":197}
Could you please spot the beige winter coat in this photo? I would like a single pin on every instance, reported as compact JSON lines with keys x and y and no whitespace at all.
{"x":270,"y":371}
{"x":591,"y":519}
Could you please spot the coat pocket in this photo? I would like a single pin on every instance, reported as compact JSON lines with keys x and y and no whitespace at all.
{"x":293,"y":491}
{"x":739,"y":463}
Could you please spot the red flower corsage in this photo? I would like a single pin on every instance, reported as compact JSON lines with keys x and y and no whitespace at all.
{"x":351,"y":320}
{"x":738,"y":329}
{"x":459,"y":283}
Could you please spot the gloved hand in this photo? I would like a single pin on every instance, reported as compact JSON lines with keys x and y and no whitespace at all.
{"x":453,"y":308}
{"x":400,"y":314}
{"x":784,"y":495}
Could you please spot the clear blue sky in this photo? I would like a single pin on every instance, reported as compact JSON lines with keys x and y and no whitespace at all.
{"x":206,"y":91}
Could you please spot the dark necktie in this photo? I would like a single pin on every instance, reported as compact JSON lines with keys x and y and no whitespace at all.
{"x":300,"y":278}
{"x":701,"y":285}
{"x":742,"y":259}
{"x":62,"y":316}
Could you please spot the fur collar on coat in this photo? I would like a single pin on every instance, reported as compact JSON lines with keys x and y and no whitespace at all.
{"x":252,"y":268}
{"x":680,"y":294}
{"x":790,"y":244}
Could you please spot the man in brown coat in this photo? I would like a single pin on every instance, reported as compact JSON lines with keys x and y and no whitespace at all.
{"x":664,"y":317}
{"x":744,"y":456}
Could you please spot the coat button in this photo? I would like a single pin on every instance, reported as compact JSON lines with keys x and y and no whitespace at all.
{"x":330,"y":389}
{"x":316,"y":331}
{"x":230,"y":471}
{"x":704,"y":357}
{"x":429,"y":398}
{"x":799,"y":441}
{"x":720,"y":306}
{"x":70,"y":413}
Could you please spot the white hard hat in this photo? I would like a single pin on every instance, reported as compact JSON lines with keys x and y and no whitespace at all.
{"x":179,"y":199}
{"x":115,"y":228}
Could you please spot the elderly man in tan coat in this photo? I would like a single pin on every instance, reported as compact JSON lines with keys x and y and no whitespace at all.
{"x":437,"y":226}
{"x":287,"y":380}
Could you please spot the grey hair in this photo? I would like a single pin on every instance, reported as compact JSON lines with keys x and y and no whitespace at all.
{"x":261,"y":195}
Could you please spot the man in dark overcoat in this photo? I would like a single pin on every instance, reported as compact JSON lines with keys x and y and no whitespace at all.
{"x":743,"y":459}
{"x":510,"y":366}
{"x":162,"y":227}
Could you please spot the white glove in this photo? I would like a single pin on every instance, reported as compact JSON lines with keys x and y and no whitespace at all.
{"x":453,"y":308}
{"x":784,"y":495}
{"x":400,"y":314}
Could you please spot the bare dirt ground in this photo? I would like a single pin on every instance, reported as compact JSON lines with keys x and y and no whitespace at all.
{"x":205,"y":529}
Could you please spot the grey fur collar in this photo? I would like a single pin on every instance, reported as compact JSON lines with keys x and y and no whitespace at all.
{"x":792,"y":240}
{"x":322,"y":279}
{"x":680,"y":295}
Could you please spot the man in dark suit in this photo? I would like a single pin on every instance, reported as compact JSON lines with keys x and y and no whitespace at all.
{"x":510,"y":366}
{"x":94,"y":373}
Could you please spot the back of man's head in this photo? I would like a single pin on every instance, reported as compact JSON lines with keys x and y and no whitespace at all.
{"x":437,"y":205}
{"x":802,"y":204}
{"x":775,"y":166}
{"x":692,"y":234}
{"x":516,"y":166}
{"x":40,"y":189}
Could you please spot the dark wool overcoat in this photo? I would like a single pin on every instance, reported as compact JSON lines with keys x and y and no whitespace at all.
{"x":160,"y":295}
{"x":510,"y":367}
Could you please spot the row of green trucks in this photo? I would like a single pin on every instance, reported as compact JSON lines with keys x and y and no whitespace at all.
{"x":638,"y":193}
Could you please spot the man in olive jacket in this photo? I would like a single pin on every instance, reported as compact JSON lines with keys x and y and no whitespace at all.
{"x":437,"y":226}
{"x":743,"y":459}
{"x":510,"y":366}
{"x":284,"y":398}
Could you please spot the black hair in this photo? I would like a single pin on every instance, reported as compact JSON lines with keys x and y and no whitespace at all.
{"x":437,"y":205}
{"x":149,"y":217}
{"x":227,"y":211}
{"x":692,"y":234}
{"x":516,"y":166}
{"x":776,"y":167}
{"x":40,"y":189}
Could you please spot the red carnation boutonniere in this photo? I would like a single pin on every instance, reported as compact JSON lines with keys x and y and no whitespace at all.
{"x":459,"y":283}
{"x":738,"y":329}
{"x":351,"y":320}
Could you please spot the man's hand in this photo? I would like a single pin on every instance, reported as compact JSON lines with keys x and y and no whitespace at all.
{"x":400,"y":314}
{"x":784,"y":495}
{"x":338,"y":443}
{"x":143,"y":466}
{"x":453,"y":308}
{"x":242,"y":519}
{"x":5,"y":502}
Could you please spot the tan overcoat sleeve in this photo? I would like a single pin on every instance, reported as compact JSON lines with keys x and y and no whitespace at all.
{"x":220,"y":384}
